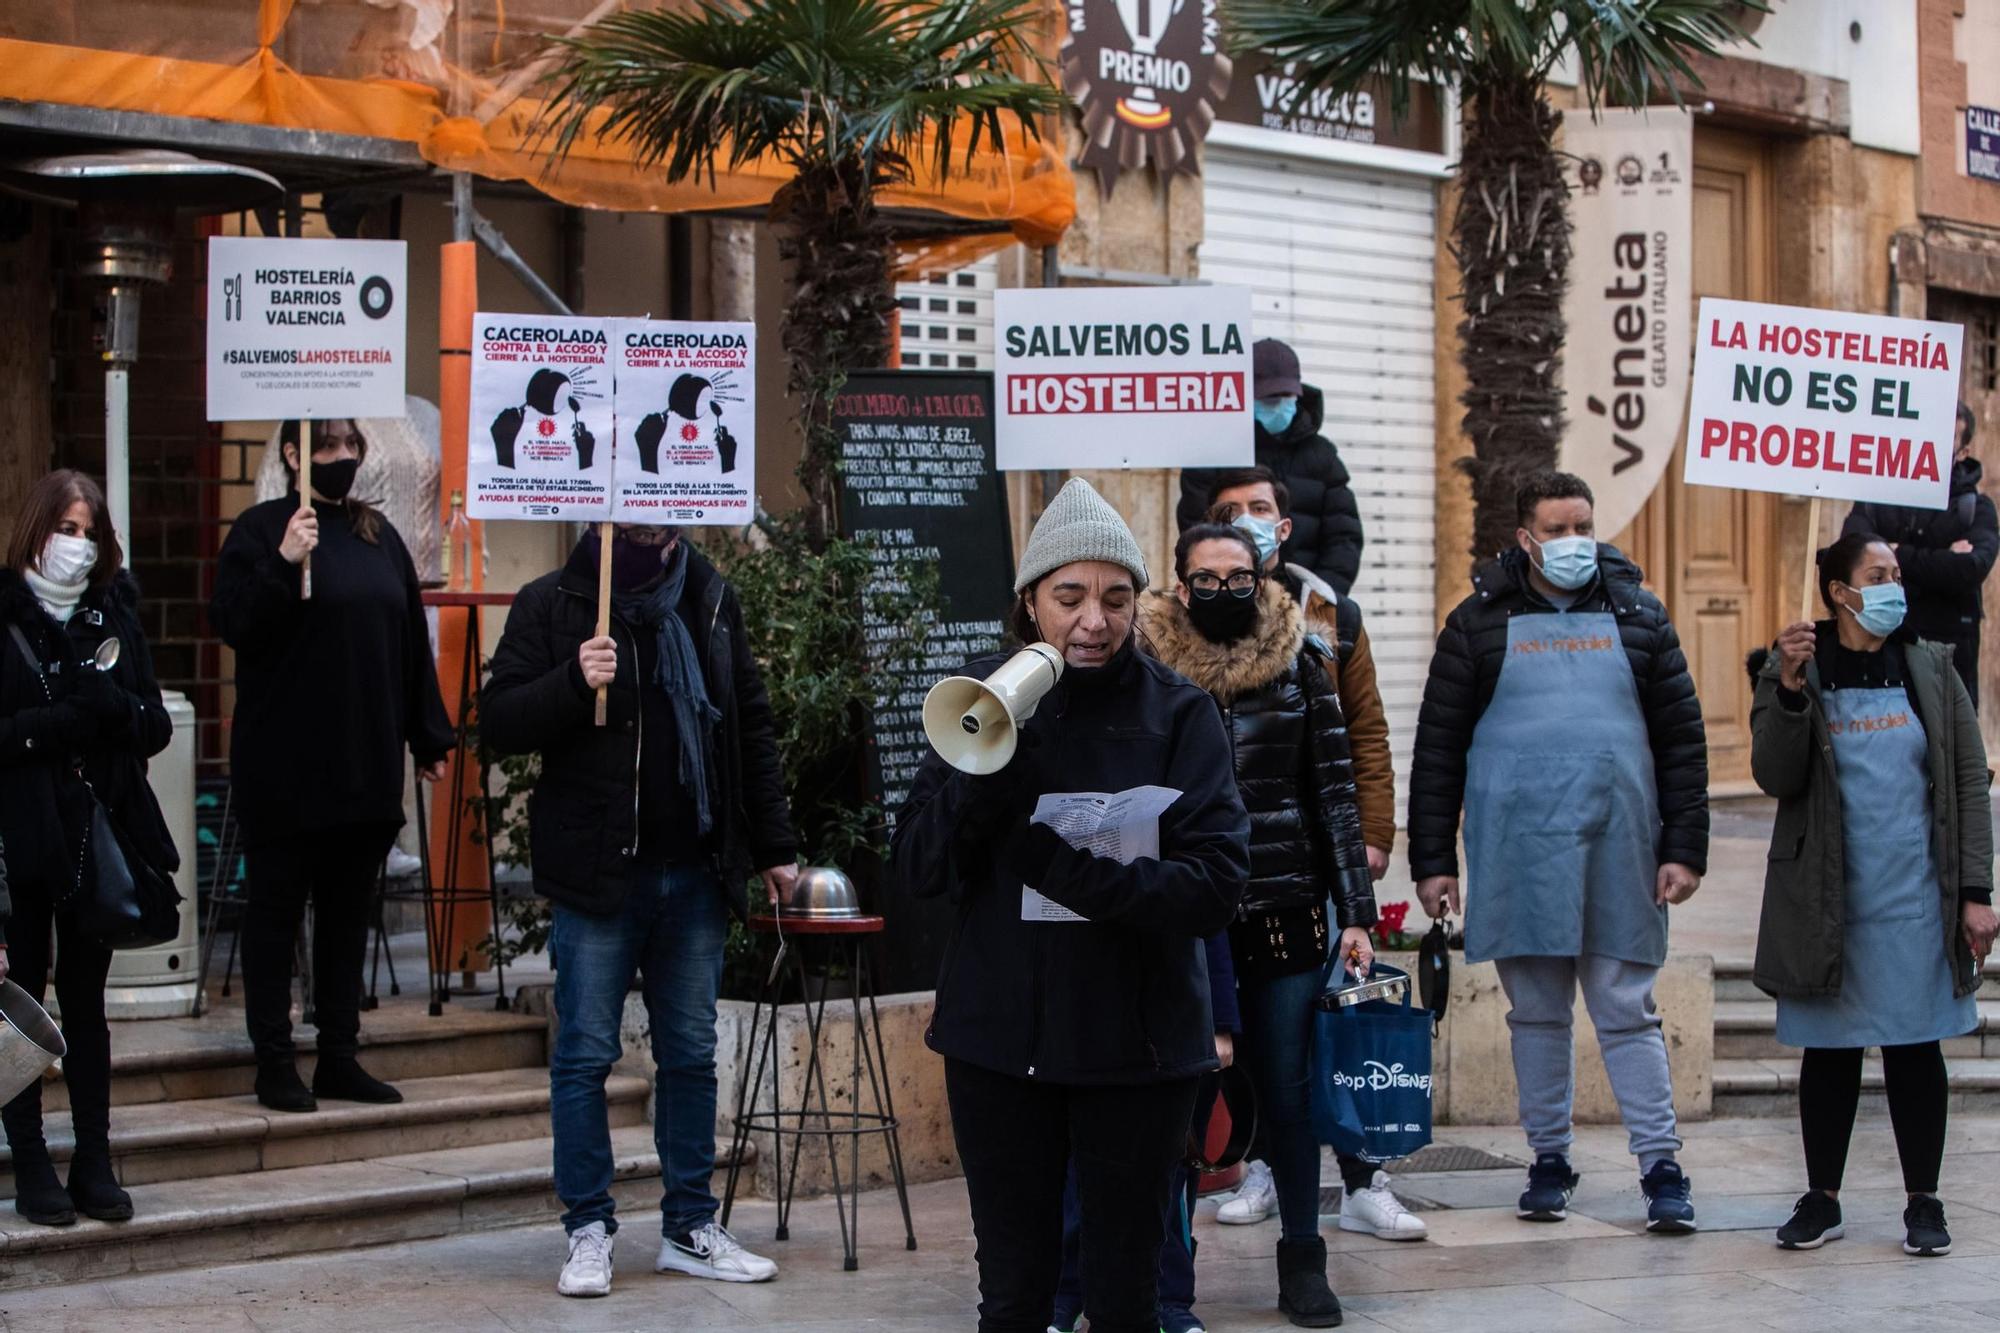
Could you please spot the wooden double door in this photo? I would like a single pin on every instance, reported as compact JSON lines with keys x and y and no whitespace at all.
{"x":1707,"y":553}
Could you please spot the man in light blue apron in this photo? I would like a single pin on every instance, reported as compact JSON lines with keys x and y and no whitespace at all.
{"x":1560,"y":718}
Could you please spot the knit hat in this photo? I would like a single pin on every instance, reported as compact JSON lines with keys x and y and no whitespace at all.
{"x":1079,"y":524}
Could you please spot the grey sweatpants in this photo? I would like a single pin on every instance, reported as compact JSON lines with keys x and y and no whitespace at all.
{"x":1619,"y":996}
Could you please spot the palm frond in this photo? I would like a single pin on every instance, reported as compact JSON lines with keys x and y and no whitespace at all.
{"x":810,"y":81}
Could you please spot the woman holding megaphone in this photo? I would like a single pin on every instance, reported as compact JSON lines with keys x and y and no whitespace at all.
{"x":1072,"y":1003}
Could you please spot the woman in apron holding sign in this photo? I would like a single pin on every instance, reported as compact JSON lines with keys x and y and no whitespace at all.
{"x":1877,"y":903}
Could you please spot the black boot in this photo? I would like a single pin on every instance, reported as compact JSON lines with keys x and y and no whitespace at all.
{"x":342,"y":1078}
{"x":94,"y":1186}
{"x":1303,"y":1296}
{"x":280,"y":1087}
{"x":38,"y":1194}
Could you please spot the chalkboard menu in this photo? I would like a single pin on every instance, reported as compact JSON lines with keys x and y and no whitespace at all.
{"x":918,"y":477}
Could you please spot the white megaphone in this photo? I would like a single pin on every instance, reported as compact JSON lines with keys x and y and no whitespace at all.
{"x":975,"y":724}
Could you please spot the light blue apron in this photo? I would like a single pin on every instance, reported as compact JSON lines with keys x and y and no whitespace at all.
{"x":1562,"y":816}
{"x":1895,"y":987}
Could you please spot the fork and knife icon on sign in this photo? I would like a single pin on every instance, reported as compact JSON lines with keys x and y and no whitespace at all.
{"x":232,"y":297}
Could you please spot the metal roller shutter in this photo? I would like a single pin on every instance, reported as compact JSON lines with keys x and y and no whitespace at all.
{"x":1340,"y":264}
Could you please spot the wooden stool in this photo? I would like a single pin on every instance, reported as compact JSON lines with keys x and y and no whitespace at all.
{"x":838,"y":940}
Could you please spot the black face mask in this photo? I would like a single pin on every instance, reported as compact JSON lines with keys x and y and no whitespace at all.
{"x":334,"y":480}
{"x":1225,"y":617}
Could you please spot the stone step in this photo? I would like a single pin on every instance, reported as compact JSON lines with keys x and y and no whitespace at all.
{"x":1746,"y":1030}
{"x":222,"y":1136}
{"x":1771,"y":1087}
{"x":196,"y":1224}
{"x":187,"y":1059}
{"x":1733,"y":984}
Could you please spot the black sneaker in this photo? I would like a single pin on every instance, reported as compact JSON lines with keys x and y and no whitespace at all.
{"x":1550,"y":1184}
{"x":1815,"y":1221}
{"x":1924,"y":1222}
{"x":1669,"y":1199}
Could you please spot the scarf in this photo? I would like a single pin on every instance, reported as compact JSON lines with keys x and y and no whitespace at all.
{"x":677,"y":671}
{"x":58,"y":599}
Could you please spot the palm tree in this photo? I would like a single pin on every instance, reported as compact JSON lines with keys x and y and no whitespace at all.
{"x":849,"y":95}
{"x":1510,"y":231}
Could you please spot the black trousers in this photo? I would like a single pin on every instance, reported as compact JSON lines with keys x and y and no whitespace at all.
{"x":336,"y":869}
{"x":81,"y":964}
{"x":1016,"y":1138}
{"x":1965,"y":656}
{"x":1919,"y":1094}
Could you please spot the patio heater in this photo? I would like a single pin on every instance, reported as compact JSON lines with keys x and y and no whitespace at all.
{"x":128,"y":201}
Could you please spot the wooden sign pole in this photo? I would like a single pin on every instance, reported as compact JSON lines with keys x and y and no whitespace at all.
{"x":1810,"y":583}
{"x":603,"y":605}
{"x":305,"y":498}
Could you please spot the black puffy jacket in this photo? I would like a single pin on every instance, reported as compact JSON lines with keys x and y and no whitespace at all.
{"x":1121,"y":997}
{"x":1466,"y":668}
{"x":1288,"y":738}
{"x":44,"y":733}
{"x":1943,"y":584}
{"x":583,"y":815}
{"x":1326,"y":522}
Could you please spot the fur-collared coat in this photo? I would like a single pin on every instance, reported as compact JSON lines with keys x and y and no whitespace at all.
{"x":1288,"y":737}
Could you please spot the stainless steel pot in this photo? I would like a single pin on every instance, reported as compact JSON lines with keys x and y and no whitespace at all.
{"x":29,"y":1041}
{"x":821,"y":893}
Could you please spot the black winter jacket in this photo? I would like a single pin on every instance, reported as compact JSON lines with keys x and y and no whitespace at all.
{"x":1121,"y":997}
{"x":1943,"y":584}
{"x":331,"y":691}
{"x":1288,"y":738}
{"x":1466,"y":668}
{"x":43,"y":805}
{"x":1326,"y":522}
{"x":584,"y":813}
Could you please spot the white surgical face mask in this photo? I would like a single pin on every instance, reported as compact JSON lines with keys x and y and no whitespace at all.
{"x":67,"y":559}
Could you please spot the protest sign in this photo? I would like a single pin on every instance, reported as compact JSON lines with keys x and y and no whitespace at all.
{"x":539,"y":446}
{"x":1118,"y":377}
{"x":1625,"y":361}
{"x":306,"y":330}
{"x":687,"y":422}
{"x":1823,"y":403}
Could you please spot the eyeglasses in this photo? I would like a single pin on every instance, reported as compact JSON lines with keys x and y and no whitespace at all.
{"x":1205,"y":585}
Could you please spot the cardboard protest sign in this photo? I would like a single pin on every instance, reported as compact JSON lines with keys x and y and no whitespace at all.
{"x":687,"y":422}
{"x":540,"y":443}
{"x":1117,"y":377}
{"x":306,"y":330}
{"x":1823,"y":403}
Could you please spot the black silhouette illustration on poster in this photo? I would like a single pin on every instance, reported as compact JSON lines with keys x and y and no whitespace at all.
{"x":550,"y":393}
{"x":693,"y":420}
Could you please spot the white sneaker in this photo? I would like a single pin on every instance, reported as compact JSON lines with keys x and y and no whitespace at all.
{"x":588,"y":1271}
{"x":1256,"y":1198}
{"x":1378,"y":1212}
{"x":402,"y":865}
{"x":713,"y":1253}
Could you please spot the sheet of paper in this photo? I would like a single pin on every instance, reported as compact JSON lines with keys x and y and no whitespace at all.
{"x":1121,"y":826}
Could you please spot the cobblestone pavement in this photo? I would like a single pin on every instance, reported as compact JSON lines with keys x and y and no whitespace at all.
{"x":1481,"y":1269}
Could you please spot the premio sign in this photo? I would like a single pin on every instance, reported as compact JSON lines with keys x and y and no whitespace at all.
{"x":1148,"y":75}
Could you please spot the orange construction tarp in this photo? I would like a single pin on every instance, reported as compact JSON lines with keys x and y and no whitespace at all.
{"x":454,"y":78}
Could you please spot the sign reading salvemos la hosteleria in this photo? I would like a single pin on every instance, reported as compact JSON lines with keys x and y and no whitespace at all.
{"x":1824,"y":403}
{"x":305,"y":329}
{"x":1118,"y":377}
{"x":1146,"y":75}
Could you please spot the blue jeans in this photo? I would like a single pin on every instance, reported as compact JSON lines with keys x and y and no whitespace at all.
{"x":1276,"y":1046}
{"x":671,"y":933}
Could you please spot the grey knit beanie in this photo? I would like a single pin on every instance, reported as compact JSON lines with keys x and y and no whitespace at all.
{"x":1079,"y":524}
